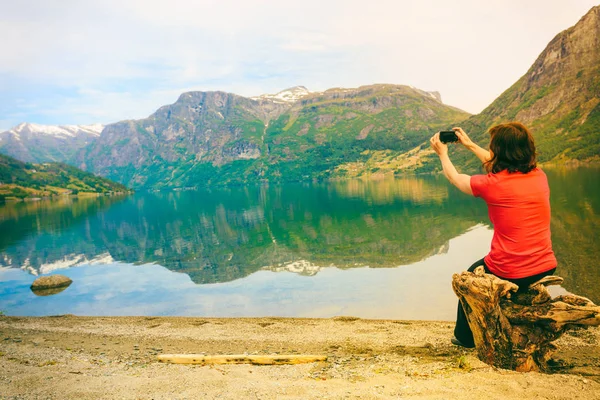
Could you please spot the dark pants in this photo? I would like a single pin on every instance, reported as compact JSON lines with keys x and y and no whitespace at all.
{"x":462,"y":331}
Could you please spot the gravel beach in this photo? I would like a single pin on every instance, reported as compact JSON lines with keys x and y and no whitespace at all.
{"x":71,"y":357}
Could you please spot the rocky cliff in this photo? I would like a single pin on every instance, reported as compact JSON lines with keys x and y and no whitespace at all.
{"x":558,"y":98}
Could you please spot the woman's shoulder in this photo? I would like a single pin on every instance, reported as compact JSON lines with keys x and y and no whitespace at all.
{"x":505,"y":177}
{"x":537,"y":172}
{"x":505,"y":173}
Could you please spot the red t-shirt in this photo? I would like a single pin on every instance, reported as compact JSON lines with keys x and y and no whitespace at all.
{"x":519,"y":208}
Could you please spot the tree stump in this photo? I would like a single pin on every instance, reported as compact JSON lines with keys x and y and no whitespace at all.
{"x":516,"y":330}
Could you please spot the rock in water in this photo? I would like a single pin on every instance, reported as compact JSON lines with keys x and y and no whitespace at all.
{"x":53,"y":282}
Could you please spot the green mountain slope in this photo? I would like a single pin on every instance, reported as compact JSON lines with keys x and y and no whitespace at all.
{"x":558,"y":99}
{"x":329,"y":134}
{"x":20,"y":180}
{"x":215,"y":138}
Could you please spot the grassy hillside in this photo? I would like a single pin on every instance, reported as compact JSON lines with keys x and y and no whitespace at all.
{"x":338,"y":134}
{"x":20,"y":180}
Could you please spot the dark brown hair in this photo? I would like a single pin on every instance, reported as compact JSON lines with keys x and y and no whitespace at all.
{"x":512,"y":148}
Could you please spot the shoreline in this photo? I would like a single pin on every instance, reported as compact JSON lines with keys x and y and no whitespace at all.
{"x":76,"y":357}
{"x":60,"y":196}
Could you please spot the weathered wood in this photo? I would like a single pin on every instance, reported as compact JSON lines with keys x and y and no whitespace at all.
{"x":515,"y":330}
{"x":480,"y":295}
{"x":239,"y":359}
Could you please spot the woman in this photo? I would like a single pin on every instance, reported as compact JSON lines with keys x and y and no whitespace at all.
{"x":518,"y":199}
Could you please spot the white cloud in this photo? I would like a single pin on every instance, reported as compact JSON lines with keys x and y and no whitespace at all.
{"x":133,"y":52}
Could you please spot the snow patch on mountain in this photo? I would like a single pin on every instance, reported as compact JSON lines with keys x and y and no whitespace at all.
{"x":15,"y":135}
{"x":290,"y":95}
{"x":434,"y":94}
{"x":67,"y":261}
{"x":56,"y":130}
{"x":301,"y":267}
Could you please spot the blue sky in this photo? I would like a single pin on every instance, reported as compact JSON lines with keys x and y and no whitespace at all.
{"x":88,"y":61}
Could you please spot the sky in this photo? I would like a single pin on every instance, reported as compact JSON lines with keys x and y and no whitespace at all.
{"x":87,"y":61}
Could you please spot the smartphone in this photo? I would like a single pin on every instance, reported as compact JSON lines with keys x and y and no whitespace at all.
{"x":448,"y":137}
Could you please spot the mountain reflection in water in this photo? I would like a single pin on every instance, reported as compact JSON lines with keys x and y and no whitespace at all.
{"x":222,"y":235}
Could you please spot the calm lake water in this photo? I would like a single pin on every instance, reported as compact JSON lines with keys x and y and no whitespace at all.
{"x":371,"y":249}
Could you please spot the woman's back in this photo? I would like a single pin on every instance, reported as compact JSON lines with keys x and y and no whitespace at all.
{"x":519,"y":209}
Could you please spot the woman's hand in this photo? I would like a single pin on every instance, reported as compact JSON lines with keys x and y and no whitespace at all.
{"x":439,"y":147}
{"x":463,"y":138}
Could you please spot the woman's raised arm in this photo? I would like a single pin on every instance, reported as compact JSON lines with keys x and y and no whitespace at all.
{"x":461,"y":181}
{"x":481,"y":153}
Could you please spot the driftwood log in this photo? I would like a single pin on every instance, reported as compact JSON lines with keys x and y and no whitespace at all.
{"x":516,"y":330}
{"x":240,"y":359}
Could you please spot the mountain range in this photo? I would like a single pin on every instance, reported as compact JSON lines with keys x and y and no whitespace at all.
{"x":208,"y":138}
{"x":217,"y":138}
{"x":46,"y":143}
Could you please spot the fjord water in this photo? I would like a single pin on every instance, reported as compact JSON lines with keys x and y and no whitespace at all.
{"x":371,"y":249}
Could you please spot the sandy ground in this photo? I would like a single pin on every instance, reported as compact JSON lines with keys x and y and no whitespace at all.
{"x":68,"y":357}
